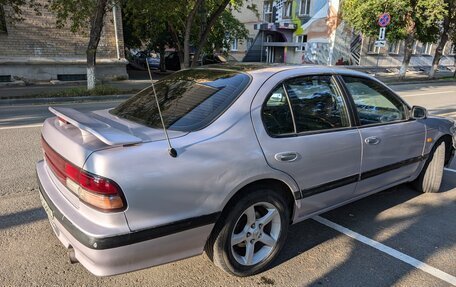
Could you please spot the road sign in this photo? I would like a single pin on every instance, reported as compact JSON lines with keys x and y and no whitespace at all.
{"x":381,"y":34}
{"x":384,"y":19}
{"x":380,"y":43}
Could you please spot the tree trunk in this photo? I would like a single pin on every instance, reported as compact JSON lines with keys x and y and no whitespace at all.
{"x":161,"y":51}
{"x":407,"y":56}
{"x":178,"y":44}
{"x":439,"y":50}
{"x":96,"y":25}
{"x":188,"y":30}
{"x":205,"y":34}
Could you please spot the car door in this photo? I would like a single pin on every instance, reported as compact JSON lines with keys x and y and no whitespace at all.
{"x":305,"y":130}
{"x":392,"y":142}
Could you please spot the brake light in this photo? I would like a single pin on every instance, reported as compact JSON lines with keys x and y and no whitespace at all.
{"x":94,"y":190}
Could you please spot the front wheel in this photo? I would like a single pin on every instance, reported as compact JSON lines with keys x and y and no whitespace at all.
{"x":249,"y":237}
{"x":430,"y":177}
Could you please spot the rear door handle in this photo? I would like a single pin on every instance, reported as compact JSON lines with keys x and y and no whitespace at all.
{"x":372,"y":140}
{"x":286,"y":156}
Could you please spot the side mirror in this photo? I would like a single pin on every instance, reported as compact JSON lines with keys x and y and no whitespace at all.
{"x":419,"y":113}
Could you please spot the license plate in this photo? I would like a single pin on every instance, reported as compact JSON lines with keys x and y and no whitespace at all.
{"x":46,"y":208}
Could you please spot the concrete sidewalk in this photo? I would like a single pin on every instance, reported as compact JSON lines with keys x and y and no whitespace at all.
{"x":10,"y":95}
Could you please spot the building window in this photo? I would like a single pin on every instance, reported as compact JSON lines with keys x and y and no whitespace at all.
{"x":417,"y":48}
{"x":249,"y":43}
{"x":304,"y":7}
{"x":453,"y":49}
{"x":2,"y":20}
{"x":395,"y":47}
{"x":302,"y":39}
{"x":286,"y":9}
{"x":427,"y":49}
{"x":234,"y":45}
{"x":371,"y":49}
{"x":268,"y":11}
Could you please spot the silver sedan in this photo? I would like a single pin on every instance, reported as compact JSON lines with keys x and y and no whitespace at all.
{"x":234,"y":155}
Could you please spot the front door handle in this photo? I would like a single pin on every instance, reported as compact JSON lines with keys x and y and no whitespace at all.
{"x":286,"y":156}
{"x":372,"y":140}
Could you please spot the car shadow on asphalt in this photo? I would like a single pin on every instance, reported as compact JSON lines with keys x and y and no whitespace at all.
{"x":416,"y":224}
{"x":22,"y":217}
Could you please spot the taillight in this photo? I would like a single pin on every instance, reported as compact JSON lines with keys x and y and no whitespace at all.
{"x":94,"y":190}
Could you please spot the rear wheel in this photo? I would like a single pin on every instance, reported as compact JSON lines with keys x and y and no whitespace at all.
{"x":430,"y":177}
{"x":249,"y":237}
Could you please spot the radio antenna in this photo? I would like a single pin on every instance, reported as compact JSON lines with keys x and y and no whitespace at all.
{"x":172,"y":152}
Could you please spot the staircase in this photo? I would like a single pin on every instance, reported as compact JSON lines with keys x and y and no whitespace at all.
{"x":355,"y":49}
{"x":254,"y":53}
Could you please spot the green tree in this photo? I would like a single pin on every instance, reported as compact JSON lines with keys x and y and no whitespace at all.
{"x":410,"y":20}
{"x":447,"y":28}
{"x":14,"y":13}
{"x":193,"y":23}
{"x":78,"y":15}
{"x":225,"y":31}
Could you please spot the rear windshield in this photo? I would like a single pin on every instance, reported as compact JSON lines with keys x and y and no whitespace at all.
{"x":189,"y":100}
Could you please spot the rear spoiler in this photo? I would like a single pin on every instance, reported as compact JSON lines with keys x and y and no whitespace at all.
{"x":104,"y":132}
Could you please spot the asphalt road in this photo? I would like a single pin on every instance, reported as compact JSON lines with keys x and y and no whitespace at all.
{"x":422,"y":226}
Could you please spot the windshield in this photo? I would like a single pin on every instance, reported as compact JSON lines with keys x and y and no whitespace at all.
{"x":189,"y":100}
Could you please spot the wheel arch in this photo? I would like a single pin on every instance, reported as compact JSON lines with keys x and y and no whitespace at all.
{"x":290,"y":193}
{"x":449,"y":149}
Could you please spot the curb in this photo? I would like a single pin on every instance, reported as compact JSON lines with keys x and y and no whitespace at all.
{"x":27,"y":101}
{"x":415,"y":82}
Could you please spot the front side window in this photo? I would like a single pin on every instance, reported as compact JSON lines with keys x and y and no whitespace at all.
{"x":374,"y":102}
{"x":189,"y":100}
{"x":305,"y":104}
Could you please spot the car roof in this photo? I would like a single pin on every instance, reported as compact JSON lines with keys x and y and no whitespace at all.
{"x":265,"y":70}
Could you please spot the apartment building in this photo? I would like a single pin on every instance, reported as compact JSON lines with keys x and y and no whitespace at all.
{"x":311,"y":31}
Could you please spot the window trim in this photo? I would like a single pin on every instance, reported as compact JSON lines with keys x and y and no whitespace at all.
{"x":309,"y":3}
{"x":407,"y":108}
{"x":285,"y":11}
{"x":348,"y":109}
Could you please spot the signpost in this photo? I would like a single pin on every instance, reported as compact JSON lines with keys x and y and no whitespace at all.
{"x":383,"y":21}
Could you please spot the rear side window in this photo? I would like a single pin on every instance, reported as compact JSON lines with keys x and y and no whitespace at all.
{"x":375,"y":104}
{"x":276,"y":113}
{"x":189,"y":100}
{"x":316,"y":104}
{"x":305,"y":104}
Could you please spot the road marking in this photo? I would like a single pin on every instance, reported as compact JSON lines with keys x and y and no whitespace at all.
{"x":450,"y":169}
{"x":388,"y":250}
{"x":424,"y":94}
{"x":21,"y":127}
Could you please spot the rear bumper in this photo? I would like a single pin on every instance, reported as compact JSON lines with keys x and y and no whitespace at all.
{"x":120,"y":253}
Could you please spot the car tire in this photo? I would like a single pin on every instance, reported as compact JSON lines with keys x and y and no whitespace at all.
{"x":242,"y":223}
{"x":430,"y":178}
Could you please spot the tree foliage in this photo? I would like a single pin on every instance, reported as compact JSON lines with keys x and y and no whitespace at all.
{"x":420,"y":17}
{"x":14,"y":13}
{"x":198,"y":24}
{"x":410,"y":20}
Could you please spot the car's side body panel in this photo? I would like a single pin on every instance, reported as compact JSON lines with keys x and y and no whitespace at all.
{"x":396,"y":157}
{"x":160,"y":189}
{"x":317,"y":169}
